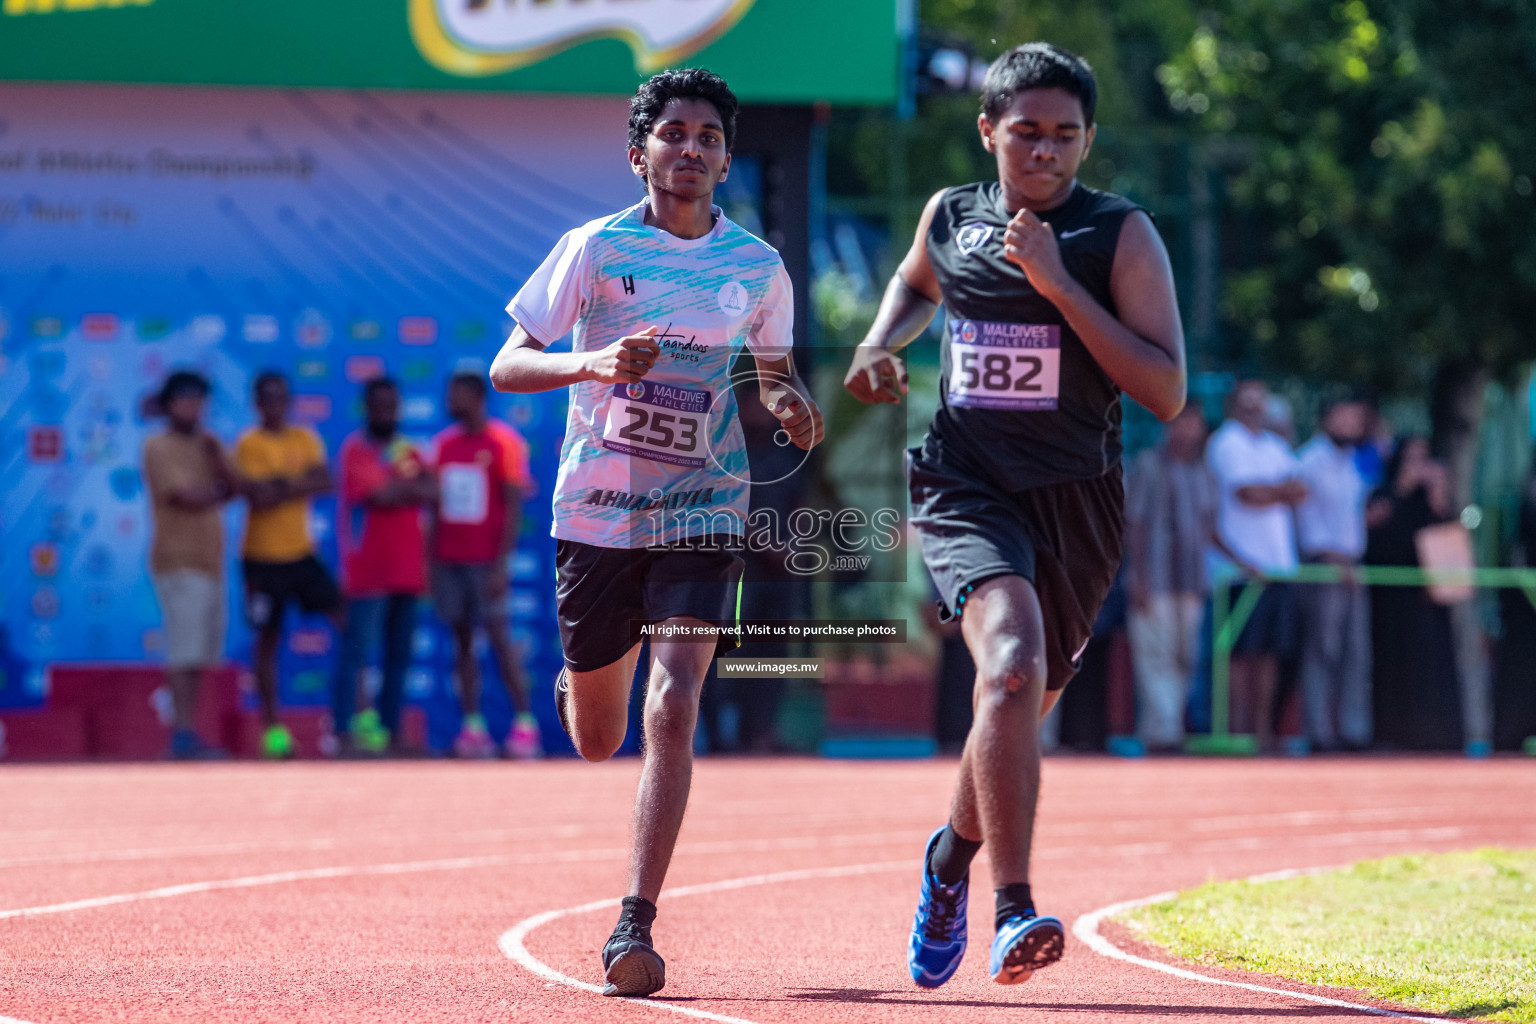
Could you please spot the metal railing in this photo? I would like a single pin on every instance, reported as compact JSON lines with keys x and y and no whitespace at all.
{"x":1228,"y":619}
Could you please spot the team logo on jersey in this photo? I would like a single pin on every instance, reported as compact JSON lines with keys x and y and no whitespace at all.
{"x":971,"y":237}
{"x":635,"y":389}
{"x":968,"y":333}
{"x":489,"y":37}
{"x":733,"y":298}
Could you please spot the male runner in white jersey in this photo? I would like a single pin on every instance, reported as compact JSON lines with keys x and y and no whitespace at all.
{"x":653,"y":473}
{"x":1058,"y":297}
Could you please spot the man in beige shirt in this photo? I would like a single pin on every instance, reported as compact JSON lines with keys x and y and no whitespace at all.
{"x":189,"y":479}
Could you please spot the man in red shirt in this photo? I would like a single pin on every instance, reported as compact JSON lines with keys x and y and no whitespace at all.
{"x":482,"y":475}
{"x":385,"y":484}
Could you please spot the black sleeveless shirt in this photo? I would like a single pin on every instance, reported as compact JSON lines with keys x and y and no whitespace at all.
{"x":1021,"y":399}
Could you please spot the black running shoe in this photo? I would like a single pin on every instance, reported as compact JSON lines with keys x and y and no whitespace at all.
{"x":631,"y":966}
{"x":562,"y":698}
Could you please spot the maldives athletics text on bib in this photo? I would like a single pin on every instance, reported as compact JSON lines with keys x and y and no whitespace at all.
{"x":1004,"y":365}
{"x":660,"y":422}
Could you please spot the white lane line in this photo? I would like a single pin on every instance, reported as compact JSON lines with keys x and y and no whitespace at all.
{"x":448,"y":864}
{"x":13,"y":1020}
{"x":512,"y":941}
{"x":275,"y":846}
{"x":1086,"y":929}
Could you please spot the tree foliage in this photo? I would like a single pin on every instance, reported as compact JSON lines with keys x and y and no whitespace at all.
{"x":1383,"y":159}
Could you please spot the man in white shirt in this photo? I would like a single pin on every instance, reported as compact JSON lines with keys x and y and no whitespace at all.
{"x":1258,"y":479}
{"x":1336,"y":639}
{"x":652,"y":495}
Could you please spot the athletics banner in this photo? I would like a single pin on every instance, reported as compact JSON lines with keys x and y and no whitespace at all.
{"x":771,"y":51}
{"x":333,"y":236}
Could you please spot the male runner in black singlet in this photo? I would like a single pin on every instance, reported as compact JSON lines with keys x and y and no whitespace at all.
{"x":1058,"y":297}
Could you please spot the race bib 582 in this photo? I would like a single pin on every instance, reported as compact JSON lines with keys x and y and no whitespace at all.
{"x":660,"y":422}
{"x":1003,"y":365}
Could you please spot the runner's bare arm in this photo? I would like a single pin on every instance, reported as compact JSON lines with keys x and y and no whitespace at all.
{"x":523,"y":366}
{"x":1143,"y":349}
{"x":785,"y":395}
{"x":906,"y":310}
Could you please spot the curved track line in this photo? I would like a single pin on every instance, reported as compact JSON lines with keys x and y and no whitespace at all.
{"x":512,"y":944}
{"x":1086,"y":929}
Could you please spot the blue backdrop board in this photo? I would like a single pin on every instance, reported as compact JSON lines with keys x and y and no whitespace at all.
{"x":330,"y":235}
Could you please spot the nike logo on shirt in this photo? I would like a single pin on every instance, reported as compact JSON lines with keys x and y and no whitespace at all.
{"x":1079,"y":231}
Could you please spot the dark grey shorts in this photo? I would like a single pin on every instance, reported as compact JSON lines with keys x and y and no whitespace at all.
{"x":1063,"y":538}
{"x":604,"y":595}
{"x":459,"y":593}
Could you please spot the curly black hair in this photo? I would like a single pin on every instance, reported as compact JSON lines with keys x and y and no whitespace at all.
{"x":183,"y":382}
{"x":1038,"y":66}
{"x":680,"y":83}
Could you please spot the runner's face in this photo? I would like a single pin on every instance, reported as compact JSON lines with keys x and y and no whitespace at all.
{"x":463,"y":402}
{"x":272,"y":401}
{"x":1040,"y":140}
{"x":184,"y":410}
{"x":685,"y":153}
{"x":383,"y":410}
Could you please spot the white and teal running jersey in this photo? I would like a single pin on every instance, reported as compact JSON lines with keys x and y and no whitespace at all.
{"x":664,"y":459}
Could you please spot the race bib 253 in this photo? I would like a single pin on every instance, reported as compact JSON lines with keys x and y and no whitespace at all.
{"x":660,"y":422}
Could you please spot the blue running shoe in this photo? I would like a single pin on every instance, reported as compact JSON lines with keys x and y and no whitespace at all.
{"x":1023,"y":945}
{"x":937,"y":942}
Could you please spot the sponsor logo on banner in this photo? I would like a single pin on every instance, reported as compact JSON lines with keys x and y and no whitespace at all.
{"x":418,"y":409}
{"x":45,"y":444}
{"x":311,"y":409}
{"x":363,"y":368}
{"x":99,"y":326}
{"x":364,"y":330}
{"x":312,"y":369}
{"x":418,"y":330}
{"x":45,"y":559}
{"x":152,"y":328}
{"x":46,"y":327}
{"x":261,"y":329}
{"x":312,"y":329}
{"x":45,"y":603}
{"x":488,"y":38}
{"x":210,"y":327}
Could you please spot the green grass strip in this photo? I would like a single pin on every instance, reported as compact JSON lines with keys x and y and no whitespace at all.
{"x":1451,"y":933}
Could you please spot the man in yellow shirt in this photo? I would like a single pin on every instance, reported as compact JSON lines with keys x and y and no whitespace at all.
{"x":283,"y":466}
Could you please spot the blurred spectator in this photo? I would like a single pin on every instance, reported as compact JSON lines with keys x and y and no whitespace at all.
{"x":1514,"y":699}
{"x":282,"y":466}
{"x":1256,"y":474}
{"x":1417,"y":705}
{"x":482,"y":476}
{"x":1170,"y":508}
{"x":1336,"y":635}
{"x":188,"y":478}
{"x":1375,"y":446}
{"x":385,"y":484}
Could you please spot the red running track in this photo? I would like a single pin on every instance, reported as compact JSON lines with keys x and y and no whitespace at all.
{"x":379,"y":892}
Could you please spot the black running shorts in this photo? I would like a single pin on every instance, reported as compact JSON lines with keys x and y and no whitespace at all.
{"x":1064,"y":538}
{"x":604,"y":595}
{"x":269,"y":586}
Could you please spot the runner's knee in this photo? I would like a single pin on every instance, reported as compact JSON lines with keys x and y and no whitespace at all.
{"x":1011,"y":672}
{"x":671,"y":709}
{"x":597,"y":736}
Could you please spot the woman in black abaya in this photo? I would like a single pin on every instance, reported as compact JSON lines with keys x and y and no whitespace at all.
{"x":1415,"y":692}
